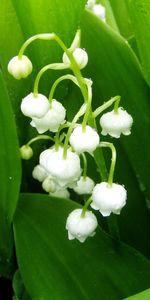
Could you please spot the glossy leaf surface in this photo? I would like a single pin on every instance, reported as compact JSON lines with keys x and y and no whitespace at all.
{"x":50,"y":264}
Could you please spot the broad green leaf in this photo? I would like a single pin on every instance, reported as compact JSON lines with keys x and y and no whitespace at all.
{"x":52,"y":266}
{"x":140,"y":15}
{"x":119,"y":73}
{"x":19,"y":288}
{"x":9,"y":176}
{"x":145,"y":295}
{"x":122,"y":17}
{"x":18,"y":21}
{"x":115,"y":70}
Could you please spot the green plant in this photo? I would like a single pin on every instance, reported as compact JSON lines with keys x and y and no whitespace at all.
{"x":114,"y":264}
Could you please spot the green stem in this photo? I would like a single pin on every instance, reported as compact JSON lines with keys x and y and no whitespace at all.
{"x":87,"y":203}
{"x":40,"y":137}
{"x":105,"y":106}
{"x":117,"y":104}
{"x":55,"y":66}
{"x":84,"y":165}
{"x":88,"y":109}
{"x":57,"y":139}
{"x":64,"y":77}
{"x":74,"y":121}
{"x":74,"y":67}
{"x":113,"y":161}
{"x":41,"y":36}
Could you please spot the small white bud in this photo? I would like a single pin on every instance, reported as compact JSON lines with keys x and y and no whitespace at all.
{"x":99,"y":10}
{"x":20,"y":67}
{"x":84,"y":186}
{"x":49,"y":185}
{"x":108,"y":198}
{"x":80,"y":57}
{"x":81,"y":227}
{"x":61,"y":193}
{"x":115,"y":123}
{"x":26,"y":152}
{"x":39,"y":173}
{"x":35,"y":106}
{"x":52,"y":119}
{"x":82,"y":141}
{"x":64,"y":171}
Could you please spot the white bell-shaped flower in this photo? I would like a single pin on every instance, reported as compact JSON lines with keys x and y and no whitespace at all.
{"x":49,"y":185}
{"x":80,"y":57}
{"x":60,"y":193}
{"x":64,"y":171}
{"x":80,"y":227}
{"x":84,"y":141}
{"x":84,"y":185}
{"x":35,"y":106}
{"x":20,"y":67}
{"x":52,"y":119}
{"x":44,"y":157}
{"x":39,"y":173}
{"x":108,"y":198}
{"x":115,"y":123}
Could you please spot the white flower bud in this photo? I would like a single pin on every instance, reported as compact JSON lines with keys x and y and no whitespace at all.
{"x":26,"y":152}
{"x":81,"y":227}
{"x":84,"y":186}
{"x":52,"y":119}
{"x":115,"y":123}
{"x":20,"y":67}
{"x":35,"y":106}
{"x":61,"y":193}
{"x":99,"y":10}
{"x":82,"y":141}
{"x":64,"y":171}
{"x":39,"y":173}
{"x":80,"y":57}
{"x":108,"y":198}
{"x":49,"y":185}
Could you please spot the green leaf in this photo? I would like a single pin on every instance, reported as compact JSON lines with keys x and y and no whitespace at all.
{"x":122,"y":17}
{"x":140,"y":15}
{"x":145,"y":295}
{"x":19,"y":288}
{"x":52,"y":266}
{"x":119,"y":73}
{"x":9,"y":176}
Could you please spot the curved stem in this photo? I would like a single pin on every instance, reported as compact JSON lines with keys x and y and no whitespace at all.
{"x":74,"y":67}
{"x":41,"y":36}
{"x":64,"y":77}
{"x":88,"y":109}
{"x":105,"y":105}
{"x":84,"y":165}
{"x":55,"y":66}
{"x":113,"y":161}
{"x":40,"y":137}
{"x":87,"y":203}
{"x":57,"y":140}
{"x":117,"y":104}
{"x":75,"y":119}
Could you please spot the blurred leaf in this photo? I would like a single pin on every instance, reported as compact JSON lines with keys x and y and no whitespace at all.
{"x":18,"y":21}
{"x":114,"y":70}
{"x":19,"y":288}
{"x":140,"y":15}
{"x":145,"y":295}
{"x":122,"y":17}
{"x":9,"y":176}
{"x":52,"y":266}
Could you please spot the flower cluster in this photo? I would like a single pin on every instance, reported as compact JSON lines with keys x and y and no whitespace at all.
{"x":59,"y":168}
